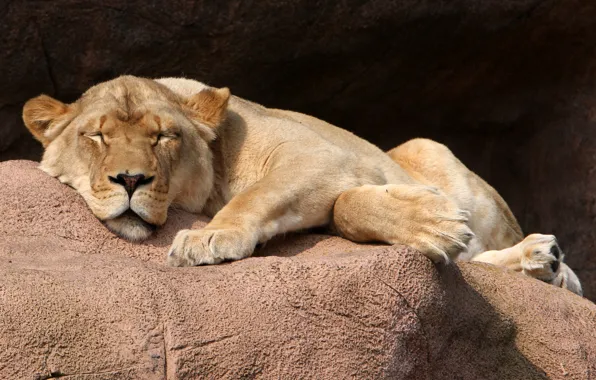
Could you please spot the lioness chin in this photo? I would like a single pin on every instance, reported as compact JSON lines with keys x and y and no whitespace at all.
{"x":133,"y":147}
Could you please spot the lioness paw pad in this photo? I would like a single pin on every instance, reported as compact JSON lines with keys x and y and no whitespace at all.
{"x":541,"y":256}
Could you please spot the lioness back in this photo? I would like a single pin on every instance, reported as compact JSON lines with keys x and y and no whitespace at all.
{"x":263,"y":129}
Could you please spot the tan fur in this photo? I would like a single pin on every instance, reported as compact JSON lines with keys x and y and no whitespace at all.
{"x":45,"y":117}
{"x":259,"y":172}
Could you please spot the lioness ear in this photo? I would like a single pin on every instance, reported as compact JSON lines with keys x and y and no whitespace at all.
{"x":210,"y":105}
{"x":45,"y":117}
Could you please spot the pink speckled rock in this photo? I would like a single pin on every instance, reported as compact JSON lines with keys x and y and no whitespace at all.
{"x":77,"y":301}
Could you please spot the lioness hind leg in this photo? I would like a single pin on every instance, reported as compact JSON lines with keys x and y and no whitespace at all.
{"x":537,"y":256}
{"x":415,"y":215}
{"x":433,"y":164}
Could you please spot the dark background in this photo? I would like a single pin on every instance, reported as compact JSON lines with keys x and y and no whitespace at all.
{"x":508,"y":85}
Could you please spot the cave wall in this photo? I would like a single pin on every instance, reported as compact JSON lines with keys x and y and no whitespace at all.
{"x":507,"y":84}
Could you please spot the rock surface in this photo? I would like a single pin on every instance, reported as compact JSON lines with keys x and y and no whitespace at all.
{"x":76,"y":300}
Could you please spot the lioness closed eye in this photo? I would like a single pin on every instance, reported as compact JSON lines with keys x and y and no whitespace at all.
{"x":133,"y":147}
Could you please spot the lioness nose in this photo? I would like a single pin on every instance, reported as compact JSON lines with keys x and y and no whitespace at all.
{"x":131,"y":182}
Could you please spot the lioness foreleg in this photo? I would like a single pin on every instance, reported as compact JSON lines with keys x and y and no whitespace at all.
{"x":274,"y":205}
{"x":416,"y":215}
{"x":537,"y":256}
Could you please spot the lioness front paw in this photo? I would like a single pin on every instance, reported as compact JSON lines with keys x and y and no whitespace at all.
{"x":420,"y":216}
{"x":444,"y":237}
{"x":541,"y":256}
{"x":434,"y":224}
{"x":209,"y":246}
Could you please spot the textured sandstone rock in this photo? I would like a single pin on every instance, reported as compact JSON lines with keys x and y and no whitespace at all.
{"x":75,"y":300}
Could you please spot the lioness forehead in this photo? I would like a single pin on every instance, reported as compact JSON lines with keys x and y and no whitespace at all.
{"x":128,"y":94}
{"x":146,"y":123}
{"x":131,"y":100}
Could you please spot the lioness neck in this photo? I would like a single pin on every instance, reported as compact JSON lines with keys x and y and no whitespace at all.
{"x":220,"y":194}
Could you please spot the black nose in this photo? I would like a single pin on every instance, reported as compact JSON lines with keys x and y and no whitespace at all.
{"x":131,"y":182}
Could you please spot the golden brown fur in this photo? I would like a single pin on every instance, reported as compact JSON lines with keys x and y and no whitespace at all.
{"x":134,"y":147}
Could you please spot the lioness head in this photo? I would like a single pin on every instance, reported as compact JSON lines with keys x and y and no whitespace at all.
{"x":131,"y":147}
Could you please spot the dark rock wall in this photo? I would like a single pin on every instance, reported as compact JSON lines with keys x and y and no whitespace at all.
{"x":507,"y":84}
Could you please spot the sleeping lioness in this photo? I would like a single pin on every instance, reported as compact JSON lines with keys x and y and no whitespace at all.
{"x":133,"y":147}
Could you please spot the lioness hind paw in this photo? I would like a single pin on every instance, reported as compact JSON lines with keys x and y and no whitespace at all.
{"x":567,"y":279}
{"x":541,"y":257}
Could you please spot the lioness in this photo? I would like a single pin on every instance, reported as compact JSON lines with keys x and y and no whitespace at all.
{"x":133,"y":147}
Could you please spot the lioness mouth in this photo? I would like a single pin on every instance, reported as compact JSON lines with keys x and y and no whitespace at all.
{"x":130,"y":226}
